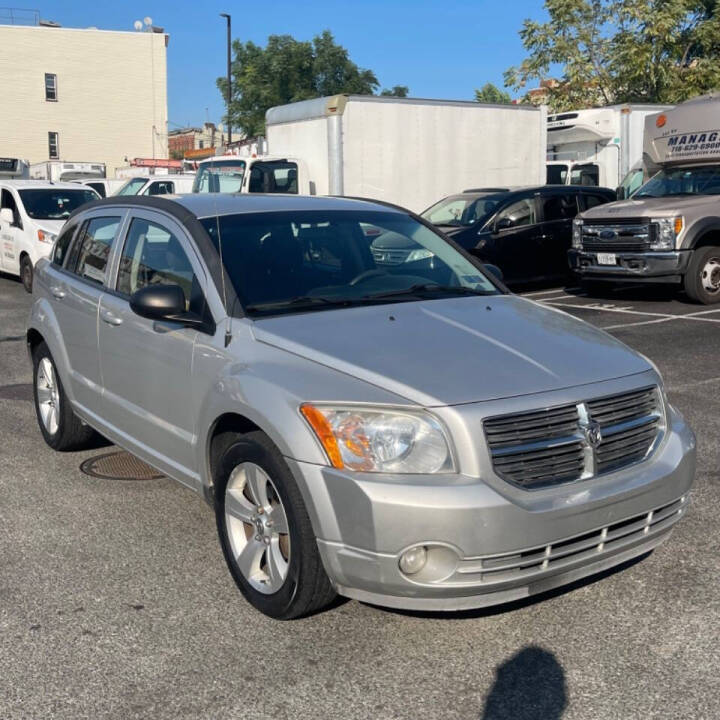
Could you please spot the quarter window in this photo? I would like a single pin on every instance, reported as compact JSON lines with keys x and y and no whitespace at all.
{"x":518,"y":214}
{"x":62,"y":244}
{"x":53,"y":146}
{"x":93,"y":248}
{"x":152,"y":255}
{"x":50,"y":87}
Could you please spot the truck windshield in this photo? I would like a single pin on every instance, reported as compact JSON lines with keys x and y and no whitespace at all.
{"x":132,"y":186}
{"x":224,"y":176}
{"x":701,"y":180}
{"x":54,"y":204}
{"x":463,"y":210}
{"x":303,"y":261}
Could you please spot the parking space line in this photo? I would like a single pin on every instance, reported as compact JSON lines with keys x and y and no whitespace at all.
{"x":641,"y":322}
{"x":535,"y":293}
{"x":599,"y":308}
{"x":559,"y":297}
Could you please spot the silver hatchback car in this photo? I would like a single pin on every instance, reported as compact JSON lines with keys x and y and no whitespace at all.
{"x":393,"y":427}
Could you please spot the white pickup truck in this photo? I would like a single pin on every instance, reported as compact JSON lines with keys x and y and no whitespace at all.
{"x":31,"y":215}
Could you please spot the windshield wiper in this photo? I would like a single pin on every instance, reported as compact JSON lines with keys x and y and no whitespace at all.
{"x":421,"y":288}
{"x":301,"y":301}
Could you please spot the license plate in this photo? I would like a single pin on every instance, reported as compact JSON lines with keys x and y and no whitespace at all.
{"x":606,"y":259}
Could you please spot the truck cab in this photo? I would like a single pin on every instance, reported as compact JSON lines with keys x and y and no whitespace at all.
{"x":261,"y":174}
{"x":669,"y":230}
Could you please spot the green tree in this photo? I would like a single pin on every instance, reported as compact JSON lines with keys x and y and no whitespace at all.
{"x":612,"y":51}
{"x":490,"y":93}
{"x":287,"y":70}
{"x":396,"y":91}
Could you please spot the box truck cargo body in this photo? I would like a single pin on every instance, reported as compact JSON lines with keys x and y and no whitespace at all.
{"x":61,"y":171}
{"x":407,"y":151}
{"x":596,"y":146}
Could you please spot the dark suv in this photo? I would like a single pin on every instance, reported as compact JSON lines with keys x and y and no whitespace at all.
{"x":526,"y":231}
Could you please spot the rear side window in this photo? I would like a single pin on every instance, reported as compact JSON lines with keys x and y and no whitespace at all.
{"x":592,"y":200}
{"x":559,"y":207}
{"x":62,"y":244}
{"x":92,"y":248}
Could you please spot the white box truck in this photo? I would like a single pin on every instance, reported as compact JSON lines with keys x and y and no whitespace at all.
{"x":597,"y":146}
{"x":407,"y":151}
{"x":60,"y":171}
{"x":14,"y":169}
{"x":669,"y":230}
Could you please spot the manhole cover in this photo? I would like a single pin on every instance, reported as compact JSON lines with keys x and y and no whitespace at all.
{"x":119,"y":465}
{"x":22,"y":391}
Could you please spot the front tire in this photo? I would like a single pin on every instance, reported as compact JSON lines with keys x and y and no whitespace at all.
{"x":61,"y":428}
{"x":702,"y":279}
{"x":26,"y":273}
{"x":265,"y":531}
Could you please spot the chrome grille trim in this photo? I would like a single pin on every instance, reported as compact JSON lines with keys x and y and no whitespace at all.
{"x":626,"y":237}
{"x":554,"y":446}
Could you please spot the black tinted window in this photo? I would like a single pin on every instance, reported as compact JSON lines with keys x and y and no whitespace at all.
{"x":275,"y":177}
{"x":52,"y":204}
{"x":161,"y":187}
{"x":62,"y":244}
{"x":559,"y":207}
{"x":93,"y":248}
{"x":592,"y":200}
{"x":99,"y":188}
{"x":517,"y":214}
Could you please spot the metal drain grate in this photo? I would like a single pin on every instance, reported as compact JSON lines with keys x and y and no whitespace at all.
{"x":23,"y":391}
{"x":119,"y":465}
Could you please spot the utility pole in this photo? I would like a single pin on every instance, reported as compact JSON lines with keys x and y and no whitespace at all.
{"x":229,"y":78}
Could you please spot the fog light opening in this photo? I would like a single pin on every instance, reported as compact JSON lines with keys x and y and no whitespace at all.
{"x":412,"y":561}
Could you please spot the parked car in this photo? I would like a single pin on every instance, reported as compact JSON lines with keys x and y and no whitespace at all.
{"x":103,"y":186}
{"x":407,"y":435}
{"x":157,"y":185}
{"x":526,"y":232}
{"x":31,"y":214}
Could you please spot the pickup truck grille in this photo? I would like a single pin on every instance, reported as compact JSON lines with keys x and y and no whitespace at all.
{"x":617,"y":237}
{"x":564,"y":444}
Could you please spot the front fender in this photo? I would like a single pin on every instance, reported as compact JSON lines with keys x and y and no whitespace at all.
{"x":696,"y":230}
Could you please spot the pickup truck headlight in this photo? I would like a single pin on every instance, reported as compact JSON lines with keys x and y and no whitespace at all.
{"x":577,"y":233}
{"x":46,"y":237}
{"x":668,"y":230}
{"x":380,"y":440}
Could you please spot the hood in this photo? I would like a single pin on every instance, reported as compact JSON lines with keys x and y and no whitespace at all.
{"x":649,"y":207}
{"x":456,"y":350}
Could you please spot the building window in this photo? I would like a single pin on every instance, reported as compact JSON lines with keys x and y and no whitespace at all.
{"x":201,"y":144}
{"x":51,"y":87}
{"x":53,"y":149}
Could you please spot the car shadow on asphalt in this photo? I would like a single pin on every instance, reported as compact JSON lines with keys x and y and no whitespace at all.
{"x":627,"y":293}
{"x":519,"y":604}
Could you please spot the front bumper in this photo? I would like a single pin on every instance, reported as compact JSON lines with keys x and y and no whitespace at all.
{"x":503,"y":550}
{"x":652,"y":266}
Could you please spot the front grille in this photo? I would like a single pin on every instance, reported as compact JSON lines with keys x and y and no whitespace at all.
{"x":389,"y":257}
{"x":617,"y":237}
{"x":525,"y":565}
{"x":564,"y":444}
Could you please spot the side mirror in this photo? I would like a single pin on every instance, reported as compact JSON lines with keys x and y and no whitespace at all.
{"x":503,"y":224}
{"x":494,"y":270}
{"x":8,"y":216}
{"x":620,"y":192}
{"x":165,"y":302}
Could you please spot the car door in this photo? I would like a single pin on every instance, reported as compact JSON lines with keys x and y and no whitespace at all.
{"x":557,"y":212}
{"x":513,"y":240}
{"x":10,"y":234}
{"x":76,"y":278}
{"x":147,"y":365}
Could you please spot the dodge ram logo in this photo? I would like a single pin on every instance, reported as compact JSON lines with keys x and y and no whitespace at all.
{"x":593,"y":433}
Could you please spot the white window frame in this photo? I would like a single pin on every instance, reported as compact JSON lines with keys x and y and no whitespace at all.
{"x":56,"y":137}
{"x":54,"y":87}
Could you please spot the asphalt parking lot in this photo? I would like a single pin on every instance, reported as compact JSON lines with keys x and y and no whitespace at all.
{"x":115,"y":601}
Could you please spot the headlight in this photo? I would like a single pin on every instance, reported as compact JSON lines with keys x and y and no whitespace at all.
{"x":46,"y":237}
{"x":421,"y":254}
{"x":577,"y":233}
{"x":668,"y":230}
{"x":380,"y":440}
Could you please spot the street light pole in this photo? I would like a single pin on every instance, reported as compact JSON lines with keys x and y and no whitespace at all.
{"x":229,"y":77}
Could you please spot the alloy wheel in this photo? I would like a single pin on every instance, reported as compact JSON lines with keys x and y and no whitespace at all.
{"x":48,"y":396}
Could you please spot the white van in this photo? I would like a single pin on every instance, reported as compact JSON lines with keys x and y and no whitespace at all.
{"x":31,"y":215}
{"x":157,"y":185}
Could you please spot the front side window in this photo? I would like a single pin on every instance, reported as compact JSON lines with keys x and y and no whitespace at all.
{"x":316,"y":260}
{"x":517,"y":214}
{"x":463,"y":210}
{"x":225,"y":176}
{"x":559,"y":207}
{"x":53,"y":146}
{"x":50,"y":87}
{"x":8,"y":201}
{"x":51,"y":204}
{"x":132,"y":186}
{"x":160,"y":187}
{"x":274,"y":177}
{"x":153,"y":255}
{"x":99,"y":188}
{"x":585,"y":175}
{"x":62,"y":244}
{"x":93,"y":248}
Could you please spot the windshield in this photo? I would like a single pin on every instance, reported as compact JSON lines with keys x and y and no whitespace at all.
{"x":556,"y":174}
{"x":224,"y":176}
{"x":54,"y":204}
{"x":132,"y":186}
{"x":702,"y":180}
{"x":463,"y":210}
{"x":315,"y":260}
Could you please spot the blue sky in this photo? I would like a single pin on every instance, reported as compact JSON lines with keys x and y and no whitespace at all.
{"x":439,"y":49}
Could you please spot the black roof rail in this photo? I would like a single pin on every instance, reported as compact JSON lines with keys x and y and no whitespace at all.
{"x":487,"y":189}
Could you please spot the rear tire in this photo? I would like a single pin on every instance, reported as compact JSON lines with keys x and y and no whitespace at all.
{"x":280,"y":573}
{"x":702,"y":279}
{"x":61,"y":428}
{"x":26,"y":273}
